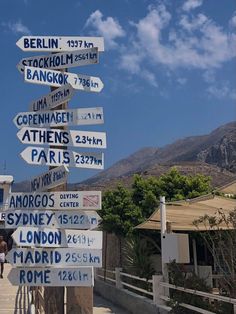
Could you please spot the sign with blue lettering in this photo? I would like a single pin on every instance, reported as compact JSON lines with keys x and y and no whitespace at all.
{"x":58,"y":157}
{"x":61,"y":60}
{"x":57,"y":78}
{"x":59,"y":43}
{"x":83,"y":116}
{"x":59,"y":137}
{"x":45,"y":218}
{"x":63,"y":257}
{"x":77,"y":277}
{"x":84,"y":200}
{"x":53,"y":99}
{"x":45,"y":237}
{"x":49,"y":180}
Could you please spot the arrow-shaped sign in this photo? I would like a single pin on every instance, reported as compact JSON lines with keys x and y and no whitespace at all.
{"x":49,"y":179}
{"x":63,"y":257}
{"x":53,"y":99}
{"x":45,"y":218}
{"x":44,"y":237}
{"x":59,"y":43}
{"x":62,"y":137}
{"x":57,"y":78}
{"x":77,"y":277}
{"x":58,"y":157}
{"x":89,"y":200}
{"x":61,"y":60}
{"x":83,"y":116}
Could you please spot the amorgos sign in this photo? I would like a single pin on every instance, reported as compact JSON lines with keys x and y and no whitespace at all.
{"x":90,"y":200}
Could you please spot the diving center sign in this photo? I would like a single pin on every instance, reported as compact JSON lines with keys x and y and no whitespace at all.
{"x":90,"y":200}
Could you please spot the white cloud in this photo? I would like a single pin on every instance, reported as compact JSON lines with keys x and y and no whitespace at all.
{"x":221,"y":91}
{"x":109,"y":28}
{"x":197,"y":43}
{"x":209,"y":76}
{"x":182,"y":81}
{"x":191,"y":4}
{"x":16,"y":27}
{"x":232,"y":21}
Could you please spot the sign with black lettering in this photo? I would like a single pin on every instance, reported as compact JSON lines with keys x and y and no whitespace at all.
{"x":77,"y":277}
{"x":61,"y":257}
{"x":59,"y":43}
{"x":89,"y":200}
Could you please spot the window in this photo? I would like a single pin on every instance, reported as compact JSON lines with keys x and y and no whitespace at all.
{"x":1,"y":196}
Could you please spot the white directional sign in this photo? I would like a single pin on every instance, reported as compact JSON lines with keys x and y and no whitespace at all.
{"x":45,"y":218}
{"x":62,"y":257}
{"x":61,"y":60}
{"x":77,"y":277}
{"x":62,"y":137}
{"x":44,"y":237}
{"x":84,"y":200}
{"x":58,"y":157}
{"x":49,"y":180}
{"x":57,"y":78}
{"x":83,"y":116}
{"x":59,"y":43}
{"x":53,"y":99}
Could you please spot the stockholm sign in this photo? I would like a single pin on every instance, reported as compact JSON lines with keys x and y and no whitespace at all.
{"x":50,"y":219}
{"x":53,"y":99}
{"x":55,"y":277}
{"x":58,"y":157}
{"x":59,"y":137}
{"x":49,"y":179}
{"x":83,"y":116}
{"x":59,"y":43}
{"x":38,"y":257}
{"x":90,"y":200}
{"x":61,"y":60}
{"x":46,"y":237}
{"x":56,"y":78}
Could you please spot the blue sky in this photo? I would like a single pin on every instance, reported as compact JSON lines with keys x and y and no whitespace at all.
{"x":168,"y":70}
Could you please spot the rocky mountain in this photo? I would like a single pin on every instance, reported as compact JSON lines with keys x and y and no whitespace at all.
{"x":213,"y":154}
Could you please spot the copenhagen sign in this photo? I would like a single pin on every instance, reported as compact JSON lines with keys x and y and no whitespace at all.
{"x":52,"y":277}
{"x":57,"y":78}
{"x":83,"y":116}
{"x":42,"y":257}
{"x":90,"y":200}
{"x":53,"y":99}
{"x":62,"y":137}
{"x":61,"y":60}
{"x":50,"y":219}
{"x":49,"y":180}
{"x":58,"y":157}
{"x":59,"y":43}
{"x":44,"y":237}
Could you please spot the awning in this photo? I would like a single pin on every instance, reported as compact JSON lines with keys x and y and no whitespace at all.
{"x":182,"y":214}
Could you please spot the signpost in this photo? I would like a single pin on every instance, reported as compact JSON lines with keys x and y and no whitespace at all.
{"x":61,"y":60}
{"x":45,"y":218}
{"x":56,"y":78}
{"x":83,"y":116}
{"x":45,"y":237}
{"x":62,"y":245}
{"x":63,"y":257}
{"x":53,"y":99}
{"x":58,"y":157}
{"x":55,"y":277}
{"x":59,"y":137}
{"x":59,"y":43}
{"x":84,"y":200}
{"x":49,"y":180}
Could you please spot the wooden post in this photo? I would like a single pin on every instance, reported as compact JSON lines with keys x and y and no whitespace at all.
{"x":54,"y":296}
